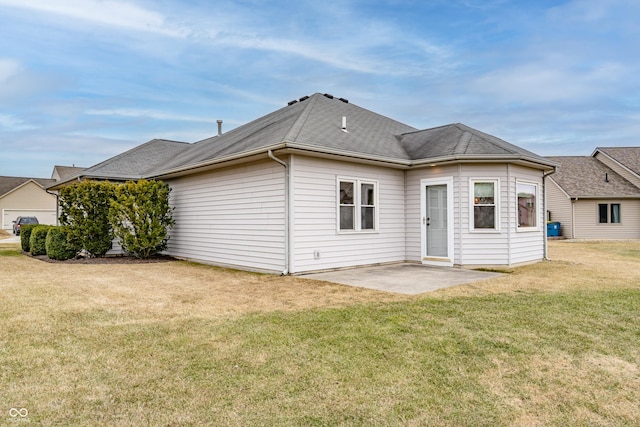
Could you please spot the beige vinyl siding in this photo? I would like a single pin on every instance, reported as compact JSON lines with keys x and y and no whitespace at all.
{"x":317,"y":244}
{"x":231,"y":217}
{"x":28,"y":200}
{"x":587,"y":226}
{"x":620,"y":169}
{"x":413,"y":201}
{"x":559,"y":205}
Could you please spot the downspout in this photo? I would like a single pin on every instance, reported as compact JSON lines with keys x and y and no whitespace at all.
{"x":509,"y":205}
{"x":286,"y":211}
{"x":544,"y":212}
{"x":573,"y":217}
{"x":57,"y":206}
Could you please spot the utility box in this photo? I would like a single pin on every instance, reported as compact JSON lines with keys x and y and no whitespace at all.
{"x":553,"y":229}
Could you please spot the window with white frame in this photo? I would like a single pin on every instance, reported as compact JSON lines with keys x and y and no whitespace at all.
{"x":527,"y":204}
{"x":357,"y":203}
{"x":485,"y":205}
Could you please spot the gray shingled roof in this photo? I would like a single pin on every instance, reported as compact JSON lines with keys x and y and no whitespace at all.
{"x":627,"y":156}
{"x":8,"y":183}
{"x":458,"y":140}
{"x":582,"y":176}
{"x":137,"y":162}
{"x":66,"y":172}
{"x":315,"y":124}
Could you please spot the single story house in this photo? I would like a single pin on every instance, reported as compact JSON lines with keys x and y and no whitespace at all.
{"x":597,"y":196}
{"x":28,"y":196}
{"x":323,"y":184}
{"x":21,"y":196}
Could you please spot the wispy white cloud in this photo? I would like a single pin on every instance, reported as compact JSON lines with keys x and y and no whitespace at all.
{"x":10,"y":123}
{"x":106,"y":12}
{"x":8,"y":69}
{"x":147,"y":113}
{"x":544,"y":82}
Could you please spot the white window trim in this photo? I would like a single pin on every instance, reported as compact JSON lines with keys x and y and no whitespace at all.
{"x":357,"y":184}
{"x":537,"y":226}
{"x":496,"y":188}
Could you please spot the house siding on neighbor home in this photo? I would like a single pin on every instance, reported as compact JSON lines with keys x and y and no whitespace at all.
{"x":559,"y":207}
{"x":585,"y":185}
{"x":232,"y":216}
{"x":588,"y":226}
{"x":29,"y":199}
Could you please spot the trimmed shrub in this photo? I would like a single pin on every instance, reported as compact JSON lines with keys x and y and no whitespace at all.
{"x":57,"y":244}
{"x":37,"y":242}
{"x":25,"y":236}
{"x":141,"y":217}
{"x":85,"y":210}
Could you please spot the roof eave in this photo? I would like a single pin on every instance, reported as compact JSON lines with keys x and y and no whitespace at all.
{"x":488,"y":158}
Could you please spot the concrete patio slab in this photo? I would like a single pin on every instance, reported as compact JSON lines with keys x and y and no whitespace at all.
{"x":403,"y":278}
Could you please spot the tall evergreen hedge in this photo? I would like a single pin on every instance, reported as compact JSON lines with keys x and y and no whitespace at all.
{"x":85,"y":210}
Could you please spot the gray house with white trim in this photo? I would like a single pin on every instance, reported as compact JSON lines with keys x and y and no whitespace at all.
{"x":324,"y":184}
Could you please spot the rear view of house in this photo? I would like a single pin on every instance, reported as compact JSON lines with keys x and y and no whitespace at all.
{"x":597,"y":196}
{"x":322,"y":184}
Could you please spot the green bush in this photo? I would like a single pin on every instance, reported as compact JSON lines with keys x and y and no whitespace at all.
{"x":38,"y":239}
{"x":85,"y":210}
{"x":25,"y":236}
{"x":141,"y":217}
{"x":57,"y":244}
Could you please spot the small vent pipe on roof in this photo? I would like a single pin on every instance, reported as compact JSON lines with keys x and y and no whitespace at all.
{"x":344,"y":124}
{"x":219,"y":127}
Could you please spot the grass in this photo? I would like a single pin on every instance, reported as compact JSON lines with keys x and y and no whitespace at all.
{"x":553,"y":343}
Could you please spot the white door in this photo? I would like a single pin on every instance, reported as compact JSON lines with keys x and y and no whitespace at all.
{"x":436,"y":221}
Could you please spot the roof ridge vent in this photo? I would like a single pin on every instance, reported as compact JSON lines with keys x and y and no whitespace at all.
{"x":292,"y":102}
{"x":304,"y":98}
{"x":328,"y":95}
{"x":346,"y":101}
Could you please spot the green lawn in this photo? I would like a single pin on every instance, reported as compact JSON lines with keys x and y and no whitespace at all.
{"x":503,"y":359}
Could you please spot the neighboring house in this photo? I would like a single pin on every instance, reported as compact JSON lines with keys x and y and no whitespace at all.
{"x":597,"y":196}
{"x":324,"y":184}
{"x":26,"y":197}
{"x":63,"y":173}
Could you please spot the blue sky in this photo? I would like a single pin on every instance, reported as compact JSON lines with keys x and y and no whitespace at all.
{"x":81,"y":81}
